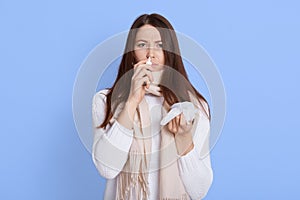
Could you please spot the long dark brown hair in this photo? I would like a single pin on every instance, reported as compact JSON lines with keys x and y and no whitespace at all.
{"x":175,"y":85}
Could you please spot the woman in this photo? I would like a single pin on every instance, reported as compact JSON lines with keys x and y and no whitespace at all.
{"x":139,"y":147}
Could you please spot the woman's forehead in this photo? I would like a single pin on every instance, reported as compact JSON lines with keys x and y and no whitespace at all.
{"x":148,"y":32}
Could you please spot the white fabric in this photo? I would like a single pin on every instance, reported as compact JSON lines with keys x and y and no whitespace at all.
{"x":194,"y":168}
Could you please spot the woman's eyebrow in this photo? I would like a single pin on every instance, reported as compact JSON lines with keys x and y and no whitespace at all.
{"x":141,"y":40}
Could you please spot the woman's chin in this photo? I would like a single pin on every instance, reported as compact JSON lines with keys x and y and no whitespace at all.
{"x":156,"y":67}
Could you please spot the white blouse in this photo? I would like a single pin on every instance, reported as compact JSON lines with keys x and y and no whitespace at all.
{"x":111,"y":147}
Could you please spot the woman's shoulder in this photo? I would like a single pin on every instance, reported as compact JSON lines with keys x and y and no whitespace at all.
{"x":100,"y":95}
{"x":204,"y":104}
{"x":201,"y":104}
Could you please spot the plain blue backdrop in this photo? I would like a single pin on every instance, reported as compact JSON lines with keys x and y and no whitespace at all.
{"x":255,"y":45}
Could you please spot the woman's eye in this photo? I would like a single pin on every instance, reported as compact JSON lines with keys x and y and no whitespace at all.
{"x":141,"y":45}
{"x":159,"y":45}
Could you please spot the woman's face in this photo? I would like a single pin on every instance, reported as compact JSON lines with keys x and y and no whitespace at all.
{"x":148,"y":44}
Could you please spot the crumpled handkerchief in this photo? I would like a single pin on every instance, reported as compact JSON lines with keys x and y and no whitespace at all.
{"x":187,"y":108}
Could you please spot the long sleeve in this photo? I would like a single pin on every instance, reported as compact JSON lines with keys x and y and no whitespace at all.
{"x":110,"y":145}
{"x":195,"y":167}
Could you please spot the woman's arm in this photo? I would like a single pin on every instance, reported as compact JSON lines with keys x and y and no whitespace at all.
{"x":110,"y":146}
{"x":195,"y":167}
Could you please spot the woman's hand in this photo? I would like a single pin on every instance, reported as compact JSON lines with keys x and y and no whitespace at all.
{"x":179,"y":126}
{"x":141,"y":79}
{"x":182,"y":132}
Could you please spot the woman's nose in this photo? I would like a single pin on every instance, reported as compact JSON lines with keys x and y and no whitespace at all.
{"x":150,"y":52}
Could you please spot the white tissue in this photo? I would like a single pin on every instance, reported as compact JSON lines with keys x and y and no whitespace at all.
{"x":187,"y":108}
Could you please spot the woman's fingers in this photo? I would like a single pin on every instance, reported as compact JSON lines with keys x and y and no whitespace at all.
{"x":141,"y":70}
{"x":144,"y":72}
{"x":139,"y":63}
{"x":175,"y":128}
{"x":141,"y":83}
{"x":144,"y":81}
{"x":140,"y":80}
{"x":177,"y":121}
{"x":179,"y":125}
{"x":170,"y":126}
{"x":182,"y":120}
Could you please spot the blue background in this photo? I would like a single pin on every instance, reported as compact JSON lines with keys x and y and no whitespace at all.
{"x":255,"y":45}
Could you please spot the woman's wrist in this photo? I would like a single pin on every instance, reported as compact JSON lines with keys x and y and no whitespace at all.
{"x":184,"y":143}
{"x":131,"y":103}
{"x":127,"y":115}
